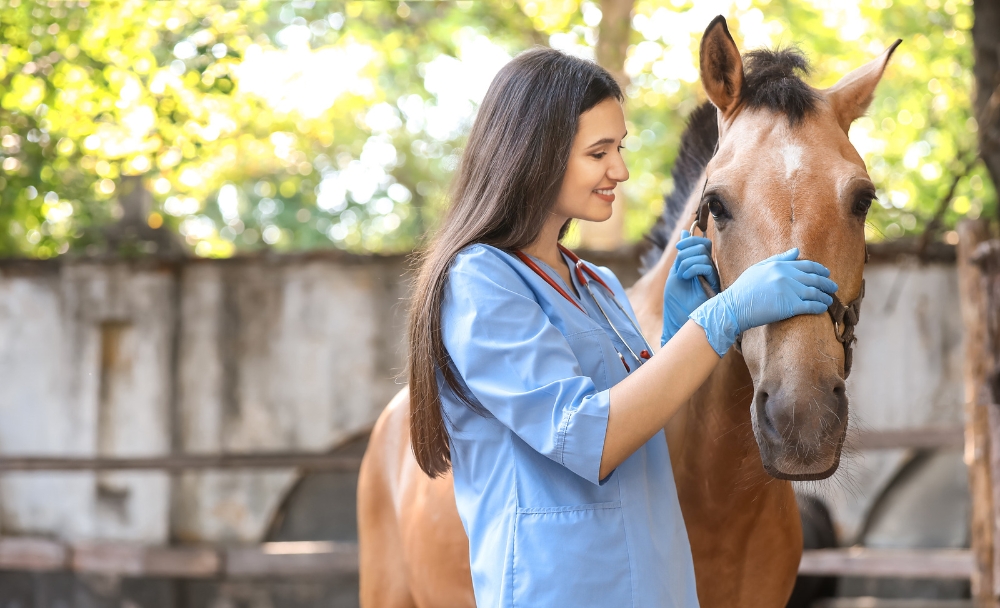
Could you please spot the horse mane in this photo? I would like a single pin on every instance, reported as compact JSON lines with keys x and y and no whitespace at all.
{"x":697,"y":147}
{"x":771,"y":81}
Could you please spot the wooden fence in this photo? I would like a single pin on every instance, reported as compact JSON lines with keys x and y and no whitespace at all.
{"x":322,"y":558}
{"x":979,"y":280}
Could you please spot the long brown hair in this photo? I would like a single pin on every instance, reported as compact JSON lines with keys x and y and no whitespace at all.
{"x":510,"y":174}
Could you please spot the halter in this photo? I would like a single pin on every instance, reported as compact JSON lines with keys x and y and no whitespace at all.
{"x":844,"y":317}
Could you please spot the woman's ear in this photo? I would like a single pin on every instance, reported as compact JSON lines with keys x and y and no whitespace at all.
{"x":721,"y":67}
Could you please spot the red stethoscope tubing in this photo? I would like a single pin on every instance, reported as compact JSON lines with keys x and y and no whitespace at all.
{"x":545,"y":277}
{"x":582,"y":272}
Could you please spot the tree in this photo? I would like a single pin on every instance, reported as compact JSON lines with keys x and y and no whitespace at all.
{"x":302,"y":124}
{"x":986,"y":39}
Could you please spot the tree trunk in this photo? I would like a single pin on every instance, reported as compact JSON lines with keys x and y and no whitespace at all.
{"x":986,"y":42}
{"x":612,"y":45}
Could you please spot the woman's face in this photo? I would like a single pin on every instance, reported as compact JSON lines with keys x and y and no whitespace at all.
{"x":595,"y":164}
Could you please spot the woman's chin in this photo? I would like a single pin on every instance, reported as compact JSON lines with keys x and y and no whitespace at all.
{"x":598,"y":215}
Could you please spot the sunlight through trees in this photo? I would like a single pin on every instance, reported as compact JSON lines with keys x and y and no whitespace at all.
{"x":300,"y":125}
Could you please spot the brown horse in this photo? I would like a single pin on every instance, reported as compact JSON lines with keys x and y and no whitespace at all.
{"x":783,"y":174}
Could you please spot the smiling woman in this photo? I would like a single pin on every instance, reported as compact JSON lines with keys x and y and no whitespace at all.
{"x":530,"y":378}
{"x":594,"y":168}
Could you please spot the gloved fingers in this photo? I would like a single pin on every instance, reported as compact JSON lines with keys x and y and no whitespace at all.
{"x":812,"y":294}
{"x":689,"y":247}
{"x":808,"y":307}
{"x":713,"y":280}
{"x":696,"y":270}
{"x":691,"y":241}
{"x":786,"y":256}
{"x":817,"y":281}
{"x":693,"y":260}
{"x":806,"y":266}
{"x":696,"y":250}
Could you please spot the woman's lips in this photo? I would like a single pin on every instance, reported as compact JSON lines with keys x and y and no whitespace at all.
{"x":608,"y":198}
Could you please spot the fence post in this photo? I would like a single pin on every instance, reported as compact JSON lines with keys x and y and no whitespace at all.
{"x":978,"y":448}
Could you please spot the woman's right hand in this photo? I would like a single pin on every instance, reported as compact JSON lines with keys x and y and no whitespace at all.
{"x":769,"y":291}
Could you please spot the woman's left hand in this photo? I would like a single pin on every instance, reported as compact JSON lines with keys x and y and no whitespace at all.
{"x":683,"y":291}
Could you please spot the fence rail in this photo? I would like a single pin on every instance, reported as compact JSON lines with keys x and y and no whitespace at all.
{"x":274,"y":460}
{"x":309,"y":558}
{"x":324,"y":558}
{"x":914,"y":438}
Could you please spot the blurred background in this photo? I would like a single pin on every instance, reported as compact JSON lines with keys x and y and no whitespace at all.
{"x":205,"y":214}
{"x":294,"y":126}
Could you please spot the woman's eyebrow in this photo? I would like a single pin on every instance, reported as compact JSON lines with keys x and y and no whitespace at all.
{"x":605,"y":141}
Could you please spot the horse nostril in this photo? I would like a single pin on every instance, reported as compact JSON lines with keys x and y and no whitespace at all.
{"x":764,"y":417}
{"x":840,"y":394}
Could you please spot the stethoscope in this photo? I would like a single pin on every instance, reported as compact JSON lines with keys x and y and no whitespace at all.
{"x":582,"y":272}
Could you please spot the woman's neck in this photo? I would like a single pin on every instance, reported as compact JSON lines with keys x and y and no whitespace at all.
{"x":546,"y":246}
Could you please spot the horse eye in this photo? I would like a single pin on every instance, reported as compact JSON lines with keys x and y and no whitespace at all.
{"x":863,"y":203}
{"x":717,"y":209}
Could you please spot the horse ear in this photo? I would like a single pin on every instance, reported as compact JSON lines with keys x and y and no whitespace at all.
{"x":851,"y":96}
{"x":721,"y":66}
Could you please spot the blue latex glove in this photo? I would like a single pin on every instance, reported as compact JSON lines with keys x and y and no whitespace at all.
{"x":683,"y":292}
{"x":769,"y":291}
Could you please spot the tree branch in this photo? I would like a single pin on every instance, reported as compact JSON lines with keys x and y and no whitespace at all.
{"x":969,"y":160}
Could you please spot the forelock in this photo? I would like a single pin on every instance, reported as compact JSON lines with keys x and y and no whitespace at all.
{"x":772,"y":81}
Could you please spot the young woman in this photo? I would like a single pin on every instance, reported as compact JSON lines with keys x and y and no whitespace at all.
{"x":529,"y":376}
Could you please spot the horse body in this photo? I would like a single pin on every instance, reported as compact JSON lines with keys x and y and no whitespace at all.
{"x":743,"y":525}
{"x":413,"y":550}
{"x":785,"y":175}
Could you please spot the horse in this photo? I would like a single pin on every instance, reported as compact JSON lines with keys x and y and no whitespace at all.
{"x":766,"y":165}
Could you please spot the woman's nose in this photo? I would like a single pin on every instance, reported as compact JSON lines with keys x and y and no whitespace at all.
{"x":618,"y":172}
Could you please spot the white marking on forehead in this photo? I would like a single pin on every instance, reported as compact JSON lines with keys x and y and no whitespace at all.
{"x":793,"y":159}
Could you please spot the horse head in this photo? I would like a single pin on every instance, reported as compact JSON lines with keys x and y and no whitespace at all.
{"x":784,"y":174}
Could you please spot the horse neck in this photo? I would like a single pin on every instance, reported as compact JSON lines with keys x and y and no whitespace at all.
{"x":712,"y":446}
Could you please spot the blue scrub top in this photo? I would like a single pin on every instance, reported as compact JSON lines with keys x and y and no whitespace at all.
{"x":543,"y":529}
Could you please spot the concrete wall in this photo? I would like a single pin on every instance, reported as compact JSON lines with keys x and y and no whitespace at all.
{"x":907,"y":374}
{"x":299,"y":353}
{"x":270,"y":353}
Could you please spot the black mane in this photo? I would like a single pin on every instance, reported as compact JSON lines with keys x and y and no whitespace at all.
{"x":771,"y":81}
{"x":697,"y":147}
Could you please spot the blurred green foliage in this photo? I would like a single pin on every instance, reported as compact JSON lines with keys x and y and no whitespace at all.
{"x":303,"y":124}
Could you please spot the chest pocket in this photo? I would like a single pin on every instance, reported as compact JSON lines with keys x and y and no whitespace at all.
{"x":595,"y":352}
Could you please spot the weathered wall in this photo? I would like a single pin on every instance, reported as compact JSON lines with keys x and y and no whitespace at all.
{"x":299,"y":353}
{"x":907,"y":374}
{"x":270,"y":353}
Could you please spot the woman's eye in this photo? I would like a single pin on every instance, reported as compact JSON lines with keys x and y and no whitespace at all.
{"x":600,"y":155}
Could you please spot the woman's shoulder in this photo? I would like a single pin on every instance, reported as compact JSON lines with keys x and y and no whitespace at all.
{"x":480,"y":273}
{"x":479,"y":257}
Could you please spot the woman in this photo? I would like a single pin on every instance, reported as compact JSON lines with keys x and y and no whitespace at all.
{"x":528,"y":374}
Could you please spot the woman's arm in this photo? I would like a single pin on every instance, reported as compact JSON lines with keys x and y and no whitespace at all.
{"x":642,"y":403}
